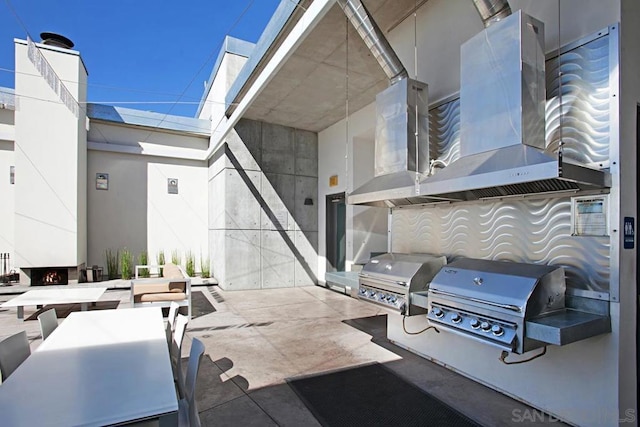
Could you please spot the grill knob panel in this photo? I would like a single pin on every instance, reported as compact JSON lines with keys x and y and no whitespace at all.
{"x":485,"y":326}
{"x":497,"y":330}
{"x":438,"y":313}
{"x":475,"y":323}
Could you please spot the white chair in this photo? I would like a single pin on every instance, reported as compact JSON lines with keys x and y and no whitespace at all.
{"x":48,"y":322}
{"x":176,"y":350}
{"x":187,"y":406}
{"x":13,"y":351}
{"x":171,"y":321}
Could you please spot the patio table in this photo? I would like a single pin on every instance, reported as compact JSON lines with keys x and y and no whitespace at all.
{"x":97,"y":368}
{"x":39,"y":297}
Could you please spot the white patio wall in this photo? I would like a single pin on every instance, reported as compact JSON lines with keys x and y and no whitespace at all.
{"x":137,"y":212}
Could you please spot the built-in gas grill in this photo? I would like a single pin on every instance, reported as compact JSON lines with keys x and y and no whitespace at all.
{"x":389,"y":279}
{"x":491,"y":301}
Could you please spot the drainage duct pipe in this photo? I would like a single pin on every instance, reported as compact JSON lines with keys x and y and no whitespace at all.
{"x":492,"y":10}
{"x":374,"y":39}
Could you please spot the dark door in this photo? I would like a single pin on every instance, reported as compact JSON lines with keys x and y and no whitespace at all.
{"x":336,"y":232}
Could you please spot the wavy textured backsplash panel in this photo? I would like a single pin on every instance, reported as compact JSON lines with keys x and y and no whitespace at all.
{"x":585,"y":109}
{"x":585,"y":103}
{"x":534,"y":231}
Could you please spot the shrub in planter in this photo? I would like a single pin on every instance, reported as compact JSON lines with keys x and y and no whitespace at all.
{"x":190,"y":264}
{"x":205,"y":267}
{"x":126,"y":263}
{"x":113,"y":261}
{"x":143,"y":259}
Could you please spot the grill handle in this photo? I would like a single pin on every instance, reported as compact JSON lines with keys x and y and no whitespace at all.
{"x":380,"y":279}
{"x":494,"y":304}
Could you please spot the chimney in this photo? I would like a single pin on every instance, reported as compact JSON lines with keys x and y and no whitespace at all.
{"x":57,"y":40}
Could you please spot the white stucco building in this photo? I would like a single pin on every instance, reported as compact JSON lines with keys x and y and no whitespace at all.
{"x":258,"y":182}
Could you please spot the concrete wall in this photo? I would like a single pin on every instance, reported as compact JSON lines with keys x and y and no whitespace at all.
{"x":50,"y":160}
{"x":262,"y":235}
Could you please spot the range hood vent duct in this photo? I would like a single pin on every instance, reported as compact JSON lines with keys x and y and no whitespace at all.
{"x":372,"y":36}
{"x":492,"y":10}
{"x":502,"y":121}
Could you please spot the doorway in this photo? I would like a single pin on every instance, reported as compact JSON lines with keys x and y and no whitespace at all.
{"x":336,"y":232}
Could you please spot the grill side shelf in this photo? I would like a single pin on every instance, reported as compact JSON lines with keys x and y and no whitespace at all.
{"x":567,"y":326}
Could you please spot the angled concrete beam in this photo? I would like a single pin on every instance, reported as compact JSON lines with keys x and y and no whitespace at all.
{"x":313,"y":15}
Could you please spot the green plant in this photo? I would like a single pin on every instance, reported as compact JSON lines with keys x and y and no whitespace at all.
{"x":190,"y":264}
{"x":112,"y":264}
{"x":204,"y":267}
{"x":175,"y":257}
{"x":160,"y":259}
{"x":126,"y":263}
{"x":143,"y":259}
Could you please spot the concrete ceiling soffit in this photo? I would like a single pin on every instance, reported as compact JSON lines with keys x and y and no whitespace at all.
{"x":309,"y":91}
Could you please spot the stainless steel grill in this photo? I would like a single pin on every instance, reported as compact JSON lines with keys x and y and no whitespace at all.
{"x":389,"y":279}
{"x":491,"y":301}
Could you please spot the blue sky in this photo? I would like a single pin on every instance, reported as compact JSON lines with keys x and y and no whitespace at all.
{"x":140,"y":50}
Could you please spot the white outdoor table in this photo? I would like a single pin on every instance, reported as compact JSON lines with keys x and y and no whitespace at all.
{"x":55,"y":296}
{"x":97,"y":368}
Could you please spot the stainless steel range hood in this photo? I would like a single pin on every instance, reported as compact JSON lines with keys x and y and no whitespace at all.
{"x":502,"y":121}
{"x":401,"y":146}
{"x":402,"y":124}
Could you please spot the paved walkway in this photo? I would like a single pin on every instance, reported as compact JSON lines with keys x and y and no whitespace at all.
{"x":256,"y":340}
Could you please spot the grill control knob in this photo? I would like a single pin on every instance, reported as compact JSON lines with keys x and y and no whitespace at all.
{"x":372,"y":294}
{"x":485,"y":326}
{"x":438,"y":313}
{"x":456,"y":318}
{"x":363,"y":291}
{"x":391,"y":298}
{"x":497,"y":330}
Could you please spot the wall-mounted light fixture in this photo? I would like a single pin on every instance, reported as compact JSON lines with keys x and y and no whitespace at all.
{"x":172,"y":185}
{"x":308,"y":201}
{"x":102,"y":181}
{"x":12,"y":174}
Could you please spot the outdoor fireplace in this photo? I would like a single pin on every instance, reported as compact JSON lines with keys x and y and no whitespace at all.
{"x":49,"y":276}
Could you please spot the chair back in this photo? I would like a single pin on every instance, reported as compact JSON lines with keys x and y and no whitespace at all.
{"x":176,"y":349}
{"x":13,"y":351}
{"x":171,"y":321}
{"x":195,"y":356}
{"x":48,"y":322}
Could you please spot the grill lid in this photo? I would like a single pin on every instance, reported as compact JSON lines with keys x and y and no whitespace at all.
{"x":400,"y":267}
{"x":497,"y":283}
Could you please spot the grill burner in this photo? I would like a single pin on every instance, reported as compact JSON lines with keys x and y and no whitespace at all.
{"x":490,"y":301}
{"x":389,"y":279}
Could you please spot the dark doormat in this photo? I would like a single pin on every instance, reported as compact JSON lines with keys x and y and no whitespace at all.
{"x":372,"y":396}
{"x":63,"y":310}
{"x":200,"y":305}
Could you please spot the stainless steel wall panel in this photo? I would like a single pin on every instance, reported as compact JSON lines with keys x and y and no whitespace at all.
{"x":585,"y":103}
{"x":444,"y":126}
{"x":530,"y":231}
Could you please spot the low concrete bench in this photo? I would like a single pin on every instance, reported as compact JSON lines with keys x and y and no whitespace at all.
{"x":173,"y":285}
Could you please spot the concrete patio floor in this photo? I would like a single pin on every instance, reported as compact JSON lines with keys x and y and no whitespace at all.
{"x":256,"y":340}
